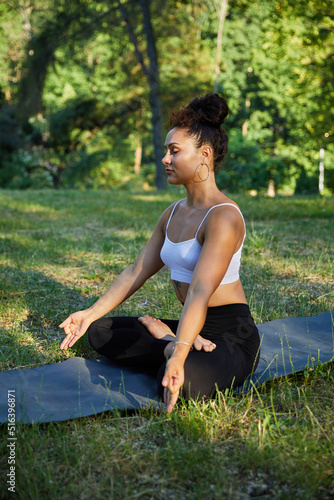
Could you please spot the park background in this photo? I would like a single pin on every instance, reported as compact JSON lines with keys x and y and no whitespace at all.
{"x":86,"y":88}
{"x":83,"y":110}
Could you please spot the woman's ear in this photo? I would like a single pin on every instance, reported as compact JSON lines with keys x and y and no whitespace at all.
{"x":207,"y":153}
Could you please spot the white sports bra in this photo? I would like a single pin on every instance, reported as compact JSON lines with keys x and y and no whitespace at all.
{"x":182,"y":257}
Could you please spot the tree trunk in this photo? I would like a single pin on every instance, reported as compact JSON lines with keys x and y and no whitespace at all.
{"x":155,"y":99}
{"x":152,"y":74}
{"x":138,"y":154}
{"x":222,"y":16}
{"x":244,"y":127}
{"x":271,"y":188}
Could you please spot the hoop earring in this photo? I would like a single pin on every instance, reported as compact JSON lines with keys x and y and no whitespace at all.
{"x":197,"y":171}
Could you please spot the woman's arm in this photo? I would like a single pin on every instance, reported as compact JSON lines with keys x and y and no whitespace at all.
{"x":125,"y":285}
{"x":223,"y":234}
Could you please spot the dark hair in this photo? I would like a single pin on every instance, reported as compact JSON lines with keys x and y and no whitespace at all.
{"x":203,"y":118}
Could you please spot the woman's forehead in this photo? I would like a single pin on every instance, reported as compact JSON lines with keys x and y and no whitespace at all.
{"x":177,"y":135}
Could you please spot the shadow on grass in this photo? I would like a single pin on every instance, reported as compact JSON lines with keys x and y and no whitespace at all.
{"x":32,"y":307}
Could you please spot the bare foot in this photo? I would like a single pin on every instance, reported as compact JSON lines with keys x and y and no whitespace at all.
{"x":157,"y":328}
{"x":202,"y":344}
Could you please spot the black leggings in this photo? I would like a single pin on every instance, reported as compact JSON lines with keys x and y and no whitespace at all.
{"x":231,"y":327}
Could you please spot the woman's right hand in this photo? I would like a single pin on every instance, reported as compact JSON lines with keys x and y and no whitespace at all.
{"x":75,"y":326}
{"x":172,"y":382}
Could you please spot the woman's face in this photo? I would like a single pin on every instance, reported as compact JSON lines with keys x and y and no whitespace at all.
{"x":182,"y":157}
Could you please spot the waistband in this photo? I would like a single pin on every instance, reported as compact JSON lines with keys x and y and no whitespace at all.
{"x":229,"y":311}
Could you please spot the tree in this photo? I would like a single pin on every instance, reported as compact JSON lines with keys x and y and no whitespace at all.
{"x":66,"y":21}
{"x":222,"y":12}
{"x":273,"y":63}
{"x":153,"y":78}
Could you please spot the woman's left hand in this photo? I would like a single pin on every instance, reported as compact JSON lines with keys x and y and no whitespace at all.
{"x":172,"y":382}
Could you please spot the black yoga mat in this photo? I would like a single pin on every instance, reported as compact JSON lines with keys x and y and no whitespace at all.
{"x":79,"y":387}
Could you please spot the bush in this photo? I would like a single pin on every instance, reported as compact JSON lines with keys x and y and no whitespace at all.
{"x":307,"y":184}
{"x":329,"y":179}
{"x":249,"y":167}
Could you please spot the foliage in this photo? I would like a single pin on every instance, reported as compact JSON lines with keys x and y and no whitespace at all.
{"x":306,"y":184}
{"x":330,"y":179}
{"x":247,"y":167}
{"x":271,"y":53}
{"x":10,"y":138}
{"x":276,"y":70}
{"x":10,"y":141}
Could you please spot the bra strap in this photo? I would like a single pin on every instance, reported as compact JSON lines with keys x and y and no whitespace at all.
{"x":171,"y":215}
{"x":220,"y":204}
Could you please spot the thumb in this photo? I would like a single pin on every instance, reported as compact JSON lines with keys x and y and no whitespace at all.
{"x":65,"y":323}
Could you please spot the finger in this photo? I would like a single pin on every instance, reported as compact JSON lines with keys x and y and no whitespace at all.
{"x":171,"y":400}
{"x":69,"y":341}
{"x":166,"y":395}
{"x":174,"y":385}
{"x":66,"y":341}
{"x":165,"y":381}
{"x":67,"y":328}
{"x":72,"y":341}
{"x":65,"y":323}
{"x":170,"y":383}
{"x":64,"y":344}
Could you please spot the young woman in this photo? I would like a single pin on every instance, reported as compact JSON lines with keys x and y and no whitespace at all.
{"x":215,"y":344}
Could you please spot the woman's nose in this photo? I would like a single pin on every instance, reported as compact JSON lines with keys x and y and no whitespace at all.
{"x":166,"y":159}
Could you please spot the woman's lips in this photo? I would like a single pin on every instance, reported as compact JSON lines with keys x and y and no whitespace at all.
{"x":169,"y":171}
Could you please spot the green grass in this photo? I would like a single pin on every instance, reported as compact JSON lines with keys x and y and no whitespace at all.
{"x":60,"y":250}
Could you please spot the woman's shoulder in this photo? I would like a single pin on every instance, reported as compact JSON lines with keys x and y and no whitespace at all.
{"x":226,"y":212}
{"x":224,"y":206}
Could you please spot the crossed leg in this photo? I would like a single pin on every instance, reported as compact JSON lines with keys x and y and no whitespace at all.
{"x":160,"y":330}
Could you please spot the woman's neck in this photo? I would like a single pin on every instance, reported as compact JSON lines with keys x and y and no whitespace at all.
{"x":202,"y":195}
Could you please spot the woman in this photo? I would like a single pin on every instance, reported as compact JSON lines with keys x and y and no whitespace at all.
{"x":215,"y":344}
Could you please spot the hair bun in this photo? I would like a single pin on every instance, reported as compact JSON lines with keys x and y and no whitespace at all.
{"x":210,"y":109}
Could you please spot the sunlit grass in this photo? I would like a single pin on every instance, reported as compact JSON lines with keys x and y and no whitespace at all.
{"x":60,"y":250}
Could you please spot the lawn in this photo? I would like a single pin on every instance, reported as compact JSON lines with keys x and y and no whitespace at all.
{"x":59,"y":252}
